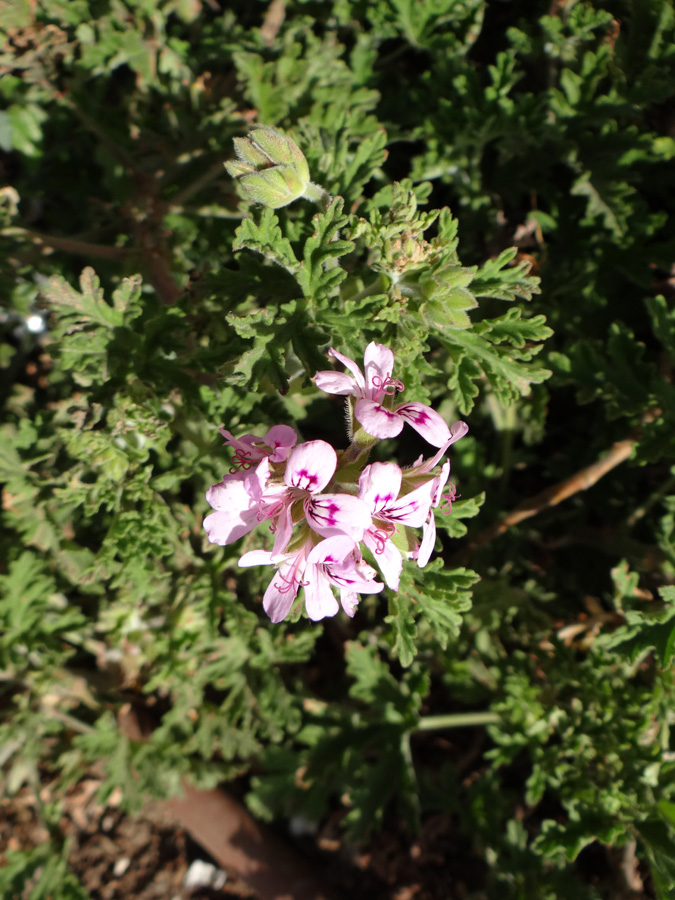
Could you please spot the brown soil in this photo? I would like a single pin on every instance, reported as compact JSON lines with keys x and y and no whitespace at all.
{"x":144,"y":857}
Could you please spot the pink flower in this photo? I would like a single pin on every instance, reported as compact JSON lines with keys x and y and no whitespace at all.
{"x":249,"y":448}
{"x":235,"y":499}
{"x":334,"y":562}
{"x":379,"y":488}
{"x":374,"y":394}
{"x":422,"y":466}
{"x":423,"y":552}
{"x":419,"y":474}
{"x":247,"y":497}
{"x":236,"y":511}
{"x":309,"y":469}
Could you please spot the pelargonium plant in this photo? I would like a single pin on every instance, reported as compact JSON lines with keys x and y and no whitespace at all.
{"x":323,"y":508}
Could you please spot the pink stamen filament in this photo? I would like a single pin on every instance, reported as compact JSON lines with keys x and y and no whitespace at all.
{"x":289,"y":583}
{"x":269,"y":512}
{"x":241,"y":460}
{"x":387,"y":386}
{"x":382,"y":535}
{"x":446,"y":506}
{"x":380,"y":539}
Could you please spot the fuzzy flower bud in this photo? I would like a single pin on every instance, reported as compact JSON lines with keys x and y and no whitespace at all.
{"x":270,"y":167}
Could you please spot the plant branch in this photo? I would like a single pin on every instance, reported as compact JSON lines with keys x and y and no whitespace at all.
{"x":67,"y":100}
{"x":552,"y":496}
{"x":198,"y":184}
{"x":274,"y":19}
{"x":67,"y":245}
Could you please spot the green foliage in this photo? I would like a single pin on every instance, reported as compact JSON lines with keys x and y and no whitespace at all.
{"x":462,"y":156}
{"x":438,"y":596}
{"x":88,"y":326}
{"x":44,"y":872}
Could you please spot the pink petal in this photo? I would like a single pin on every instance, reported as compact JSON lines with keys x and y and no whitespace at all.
{"x":376,"y":420}
{"x":333,"y":549}
{"x":319,"y":598}
{"x":236,"y":512}
{"x":226,"y":528}
{"x":284,"y":587}
{"x":353,"y":368}
{"x":255,"y":480}
{"x":284,"y":526}
{"x":412,"y":509}
{"x":440,"y":482}
{"x":246,"y":442}
{"x":310,"y":466}
{"x":256,"y":558}
{"x":379,"y":485}
{"x":457,"y":431}
{"x":220,"y":496}
{"x":337,"y":514}
{"x":387,"y":558}
{"x":335,"y":382}
{"x":349,"y":601}
{"x":426,"y":421}
{"x":428,"y":540}
{"x":378,"y":362}
{"x":280,"y":439}
{"x":279,"y":595}
{"x":355,"y":577}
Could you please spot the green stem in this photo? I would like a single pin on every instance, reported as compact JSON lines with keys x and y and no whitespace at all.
{"x":184,"y":194}
{"x":458,"y":720}
{"x":316,"y":194}
{"x":375,"y":287}
{"x":651,"y":501}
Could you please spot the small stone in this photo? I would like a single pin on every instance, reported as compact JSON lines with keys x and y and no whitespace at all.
{"x":204,"y":874}
{"x":299,"y":826}
{"x":121,"y":866}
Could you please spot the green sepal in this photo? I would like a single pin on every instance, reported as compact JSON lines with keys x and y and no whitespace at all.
{"x":364,"y":440}
{"x":275,"y":187}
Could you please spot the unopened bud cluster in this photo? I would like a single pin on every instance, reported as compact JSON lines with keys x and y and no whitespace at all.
{"x":272,"y":169}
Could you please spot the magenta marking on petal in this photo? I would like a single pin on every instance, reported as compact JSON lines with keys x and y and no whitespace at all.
{"x":310,"y":479}
{"x":328,"y":510}
{"x":383,"y":501}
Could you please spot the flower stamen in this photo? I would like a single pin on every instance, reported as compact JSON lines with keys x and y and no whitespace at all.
{"x":241,"y":460}
{"x":387,"y":386}
{"x":446,"y":505}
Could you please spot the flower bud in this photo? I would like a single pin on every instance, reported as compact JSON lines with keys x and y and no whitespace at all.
{"x":270,"y":167}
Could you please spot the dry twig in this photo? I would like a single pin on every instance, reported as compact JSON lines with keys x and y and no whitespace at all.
{"x":274,"y":19}
{"x":552,"y":496}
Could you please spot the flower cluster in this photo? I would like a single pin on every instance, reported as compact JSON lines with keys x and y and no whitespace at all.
{"x":322,"y":510}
